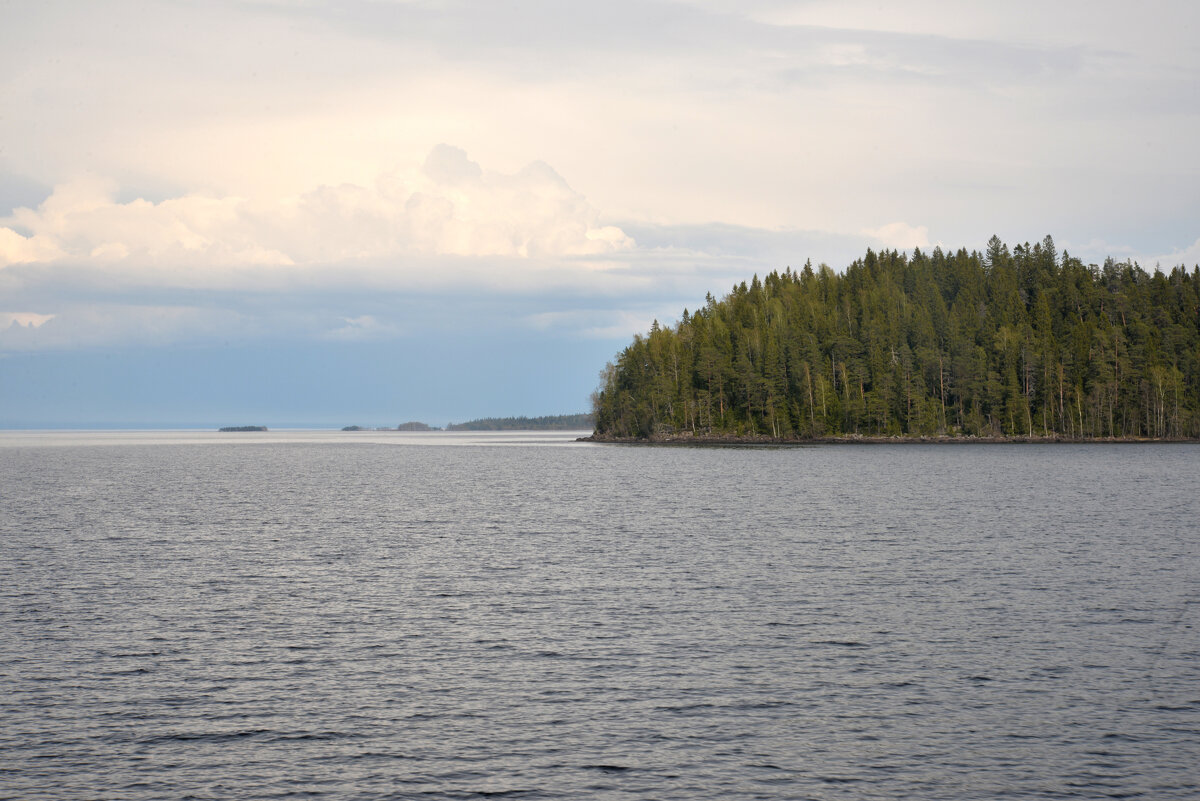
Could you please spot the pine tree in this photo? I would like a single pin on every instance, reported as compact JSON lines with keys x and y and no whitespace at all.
{"x":1015,"y":343}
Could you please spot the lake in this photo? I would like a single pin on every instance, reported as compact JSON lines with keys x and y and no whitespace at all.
{"x":378,"y":615}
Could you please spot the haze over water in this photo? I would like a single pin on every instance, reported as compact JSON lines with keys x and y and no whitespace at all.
{"x":371,"y":615}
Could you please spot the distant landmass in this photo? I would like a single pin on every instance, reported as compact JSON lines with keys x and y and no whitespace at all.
{"x":557,"y":422}
{"x":409,"y":426}
{"x":1006,"y":345}
{"x":228,"y":429}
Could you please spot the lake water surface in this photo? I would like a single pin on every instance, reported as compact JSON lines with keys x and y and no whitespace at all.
{"x":381,"y":615}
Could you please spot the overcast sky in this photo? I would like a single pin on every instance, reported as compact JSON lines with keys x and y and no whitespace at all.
{"x":374,"y":211}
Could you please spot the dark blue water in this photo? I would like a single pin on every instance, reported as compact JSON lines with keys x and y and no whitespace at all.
{"x":412,"y":617}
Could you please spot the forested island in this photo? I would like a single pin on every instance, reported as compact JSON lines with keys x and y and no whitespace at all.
{"x":1008,"y":344}
{"x":554,"y":422}
{"x":412,"y":425}
{"x":240,"y":429}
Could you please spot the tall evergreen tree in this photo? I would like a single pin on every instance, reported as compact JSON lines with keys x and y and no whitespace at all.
{"x":1019,"y":342}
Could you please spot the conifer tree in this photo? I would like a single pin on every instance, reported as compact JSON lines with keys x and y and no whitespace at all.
{"x":1020,"y":342}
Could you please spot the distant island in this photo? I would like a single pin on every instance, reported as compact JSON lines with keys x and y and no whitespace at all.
{"x":228,"y":429}
{"x":1008,"y":345}
{"x":558,"y":422}
{"x":409,"y":426}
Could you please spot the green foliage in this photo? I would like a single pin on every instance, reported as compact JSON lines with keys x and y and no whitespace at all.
{"x":555,"y":422}
{"x":1020,"y":342}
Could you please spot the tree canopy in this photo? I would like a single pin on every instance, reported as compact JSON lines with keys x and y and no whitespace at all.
{"x":554,"y":422}
{"x":1025,"y":342}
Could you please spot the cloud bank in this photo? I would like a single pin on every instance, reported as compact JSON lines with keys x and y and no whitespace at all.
{"x":450,"y":207}
{"x":446,"y":243}
{"x":225,"y":175}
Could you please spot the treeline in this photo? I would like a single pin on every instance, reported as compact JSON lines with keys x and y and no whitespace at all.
{"x":412,"y":425}
{"x":1020,"y":342}
{"x":554,"y":422}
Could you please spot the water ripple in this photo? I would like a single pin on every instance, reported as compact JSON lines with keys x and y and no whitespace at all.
{"x":332,"y":620}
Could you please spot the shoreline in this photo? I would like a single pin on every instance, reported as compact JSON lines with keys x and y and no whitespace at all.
{"x":859,"y":439}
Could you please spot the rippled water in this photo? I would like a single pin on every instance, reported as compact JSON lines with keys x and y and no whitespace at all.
{"x":433,"y":616}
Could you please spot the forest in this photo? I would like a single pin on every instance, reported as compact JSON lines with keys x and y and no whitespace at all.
{"x":555,"y":422}
{"x":1020,"y":343}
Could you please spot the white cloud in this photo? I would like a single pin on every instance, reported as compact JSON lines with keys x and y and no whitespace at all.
{"x":604,"y":323}
{"x":82,"y":223}
{"x":17,"y":249}
{"x":900,"y":236}
{"x":451,"y":207}
{"x":361,"y":329}
{"x":98,"y":324}
{"x":1188,"y":257}
{"x":624,"y":324}
{"x":24,"y":319}
{"x":1096,"y":250}
{"x":817,"y":115}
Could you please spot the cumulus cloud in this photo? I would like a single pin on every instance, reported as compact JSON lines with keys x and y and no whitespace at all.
{"x":450,"y":207}
{"x":1188,"y":257}
{"x":106,"y":324}
{"x":602,"y":323}
{"x":1096,"y":250}
{"x":24,"y":319}
{"x":361,"y":329}
{"x":17,"y":249}
{"x":900,"y":236}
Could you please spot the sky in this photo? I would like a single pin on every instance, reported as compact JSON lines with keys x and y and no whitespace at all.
{"x":311,"y":213}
